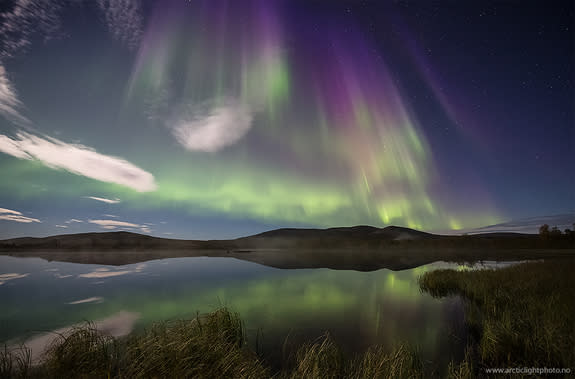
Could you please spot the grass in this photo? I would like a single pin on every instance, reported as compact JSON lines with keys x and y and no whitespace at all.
{"x":521,"y":316}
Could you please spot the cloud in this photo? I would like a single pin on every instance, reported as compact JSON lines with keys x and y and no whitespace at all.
{"x":6,"y":277}
{"x":9,"y":102}
{"x":11,"y":215}
{"x":95,"y":299}
{"x":124,"y":20}
{"x":25,"y":18}
{"x":72,"y":220}
{"x":221,"y":126}
{"x":113,"y":216}
{"x":114,"y":223}
{"x":61,"y":226}
{"x":530,"y":224}
{"x":104,"y":200}
{"x":78,"y":159}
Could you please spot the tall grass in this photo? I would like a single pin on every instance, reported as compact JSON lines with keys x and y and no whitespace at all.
{"x":523,"y":315}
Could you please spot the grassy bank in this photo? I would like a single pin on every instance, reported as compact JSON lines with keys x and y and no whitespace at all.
{"x":521,"y":316}
{"x":211,"y":346}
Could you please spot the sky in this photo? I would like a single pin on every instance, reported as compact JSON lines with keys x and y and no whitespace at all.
{"x":209,"y":119}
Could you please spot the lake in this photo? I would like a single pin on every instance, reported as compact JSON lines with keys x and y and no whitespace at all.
{"x":280,"y":307}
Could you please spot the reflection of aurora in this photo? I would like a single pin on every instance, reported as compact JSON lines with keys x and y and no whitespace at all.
{"x":358,"y":308}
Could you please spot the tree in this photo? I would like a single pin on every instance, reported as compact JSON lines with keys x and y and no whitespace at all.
{"x":544,"y":230}
{"x":555,"y":232}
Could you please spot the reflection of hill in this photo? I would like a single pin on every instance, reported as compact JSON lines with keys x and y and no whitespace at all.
{"x":363,"y":248}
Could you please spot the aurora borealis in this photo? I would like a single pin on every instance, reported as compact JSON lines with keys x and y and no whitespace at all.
{"x":217,"y":118}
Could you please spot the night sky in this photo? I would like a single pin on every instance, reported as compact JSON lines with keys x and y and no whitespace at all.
{"x":216,"y":119}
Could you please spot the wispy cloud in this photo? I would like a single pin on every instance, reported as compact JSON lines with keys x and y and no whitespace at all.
{"x":78,"y":159}
{"x":113,"y":216}
{"x":124,"y":20}
{"x":9,"y":102}
{"x":61,"y":226}
{"x":104,"y":200}
{"x":214,"y":129}
{"x":72,"y":221}
{"x":114,"y":223}
{"x":11,"y":215}
{"x":25,"y":18}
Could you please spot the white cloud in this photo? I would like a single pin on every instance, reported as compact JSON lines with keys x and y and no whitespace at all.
{"x":61,"y":226}
{"x":114,"y":223}
{"x":78,"y":159}
{"x":4,"y":210}
{"x":104,"y":200}
{"x":221,"y":126}
{"x":11,"y":215}
{"x":113,"y":216}
{"x":9,"y":102}
{"x":72,"y":220}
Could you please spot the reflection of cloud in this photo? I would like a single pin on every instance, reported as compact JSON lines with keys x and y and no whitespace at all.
{"x":117,"y":325}
{"x":78,"y":159}
{"x":104,"y":200}
{"x":124,"y":20}
{"x":213,"y":130}
{"x":6,"y":277}
{"x":104,"y":274}
{"x":11,"y":215}
{"x":9,"y":102}
{"x":60,"y":276}
{"x":95,"y":299}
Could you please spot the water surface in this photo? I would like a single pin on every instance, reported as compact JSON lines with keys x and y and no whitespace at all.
{"x":358,"y":309}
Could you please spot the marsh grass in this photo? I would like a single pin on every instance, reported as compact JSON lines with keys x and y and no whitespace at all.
{"x":520,"y":316}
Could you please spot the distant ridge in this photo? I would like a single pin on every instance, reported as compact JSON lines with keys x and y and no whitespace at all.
{"x":354,"y":237}
{"x":389,"y":232}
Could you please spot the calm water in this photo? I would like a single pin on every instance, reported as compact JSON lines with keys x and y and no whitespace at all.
{"x":358,"y":308}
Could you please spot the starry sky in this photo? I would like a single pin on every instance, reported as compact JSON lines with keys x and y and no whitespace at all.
{"x":208,"y":119}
